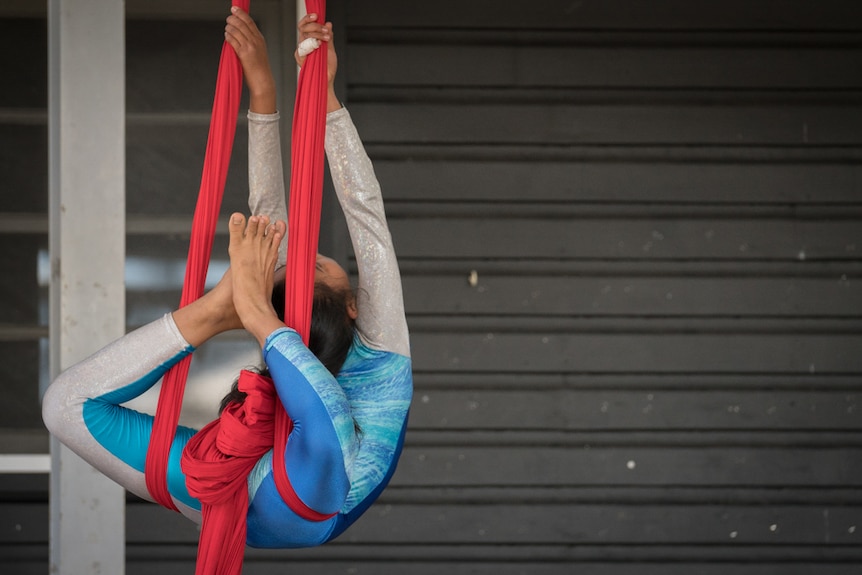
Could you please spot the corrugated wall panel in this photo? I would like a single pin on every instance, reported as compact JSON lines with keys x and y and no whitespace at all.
{"x":630,"y":243}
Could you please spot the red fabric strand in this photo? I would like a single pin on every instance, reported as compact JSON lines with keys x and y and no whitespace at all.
{"x":218,"y":151}
{"x":217,"y":461}
{"x":306,"y":193}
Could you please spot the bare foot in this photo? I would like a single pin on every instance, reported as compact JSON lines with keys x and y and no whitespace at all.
{"x":253,"y":253}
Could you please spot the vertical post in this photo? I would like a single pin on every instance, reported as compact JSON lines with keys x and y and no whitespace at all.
{"x":87,"y":239}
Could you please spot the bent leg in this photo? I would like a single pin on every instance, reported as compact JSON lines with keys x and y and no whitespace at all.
{"x":82,"y":407}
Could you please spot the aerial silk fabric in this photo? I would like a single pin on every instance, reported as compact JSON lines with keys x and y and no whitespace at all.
{"x":217,"y":461}
{"x":220,"y":456}
{"x":306,"y":192}
{"x":216,"y":161}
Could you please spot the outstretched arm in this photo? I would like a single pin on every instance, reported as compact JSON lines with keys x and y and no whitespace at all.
{"x":381,"y":322}
{"x":266,"y":191}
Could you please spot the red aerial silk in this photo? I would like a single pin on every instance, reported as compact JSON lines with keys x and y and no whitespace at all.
{"x":219,"y":145}
{"x":217,"y":461}
{"x":219,"y":457}
{"x":306,"y":193}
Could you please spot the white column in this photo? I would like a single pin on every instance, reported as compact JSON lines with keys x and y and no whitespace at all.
{"x":87,"y":239}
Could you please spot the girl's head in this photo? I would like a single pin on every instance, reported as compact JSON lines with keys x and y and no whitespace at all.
{"x":333,"y":318}
{"x":333,"y":313}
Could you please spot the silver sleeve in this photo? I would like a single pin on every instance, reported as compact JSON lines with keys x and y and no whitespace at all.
{"x":266,"y":194}
{"x":381,"y":322}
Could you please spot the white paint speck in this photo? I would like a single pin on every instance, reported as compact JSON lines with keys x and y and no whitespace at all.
{"x":631,"y":464}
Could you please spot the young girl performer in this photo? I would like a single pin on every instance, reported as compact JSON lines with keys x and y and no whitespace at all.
{"x":348,"y":429}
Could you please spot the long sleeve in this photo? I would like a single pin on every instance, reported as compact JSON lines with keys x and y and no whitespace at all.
{"x":381,"y":323}
{"x":321,"y":450}
{"x":266,"y":194}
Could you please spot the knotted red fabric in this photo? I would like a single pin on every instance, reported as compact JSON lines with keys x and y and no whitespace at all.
{"x":217,"y":461}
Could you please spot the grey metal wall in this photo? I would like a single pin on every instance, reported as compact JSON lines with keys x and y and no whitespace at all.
{"x":630,"y":236}
{"x":656,"y":365}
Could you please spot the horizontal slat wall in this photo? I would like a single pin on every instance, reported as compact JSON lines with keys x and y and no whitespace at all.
{"x":630,"y":241}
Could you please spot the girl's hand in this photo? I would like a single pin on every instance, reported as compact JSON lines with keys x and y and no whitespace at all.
{"x":250,"y":46}
{"x":309,"y":28}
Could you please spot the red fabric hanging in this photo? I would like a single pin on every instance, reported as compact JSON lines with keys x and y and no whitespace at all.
{"x":306,"y":193}
{"x":218,"y":458}
{"x":219,"y":145}
{"x":217,"y":461}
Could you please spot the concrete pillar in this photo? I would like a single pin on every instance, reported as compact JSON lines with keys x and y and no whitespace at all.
{"x":87,"y":239}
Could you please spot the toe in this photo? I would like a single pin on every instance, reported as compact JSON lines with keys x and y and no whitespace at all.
{"x":236,"y":225}
{"x":257,"y":226}
{"x":279,"y":228}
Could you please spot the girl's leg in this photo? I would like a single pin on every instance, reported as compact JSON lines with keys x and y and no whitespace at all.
{"x":82,"y":406}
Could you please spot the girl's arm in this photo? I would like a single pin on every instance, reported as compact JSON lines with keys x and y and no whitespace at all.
{"x":381,"y":322}
{"x":322,"y":446}
{"x":266,"y":193}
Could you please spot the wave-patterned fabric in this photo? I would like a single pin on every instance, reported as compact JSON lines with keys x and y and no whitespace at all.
{"x":378,"y":386}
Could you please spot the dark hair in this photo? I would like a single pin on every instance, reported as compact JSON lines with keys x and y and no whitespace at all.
{"x":331,"y":330}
